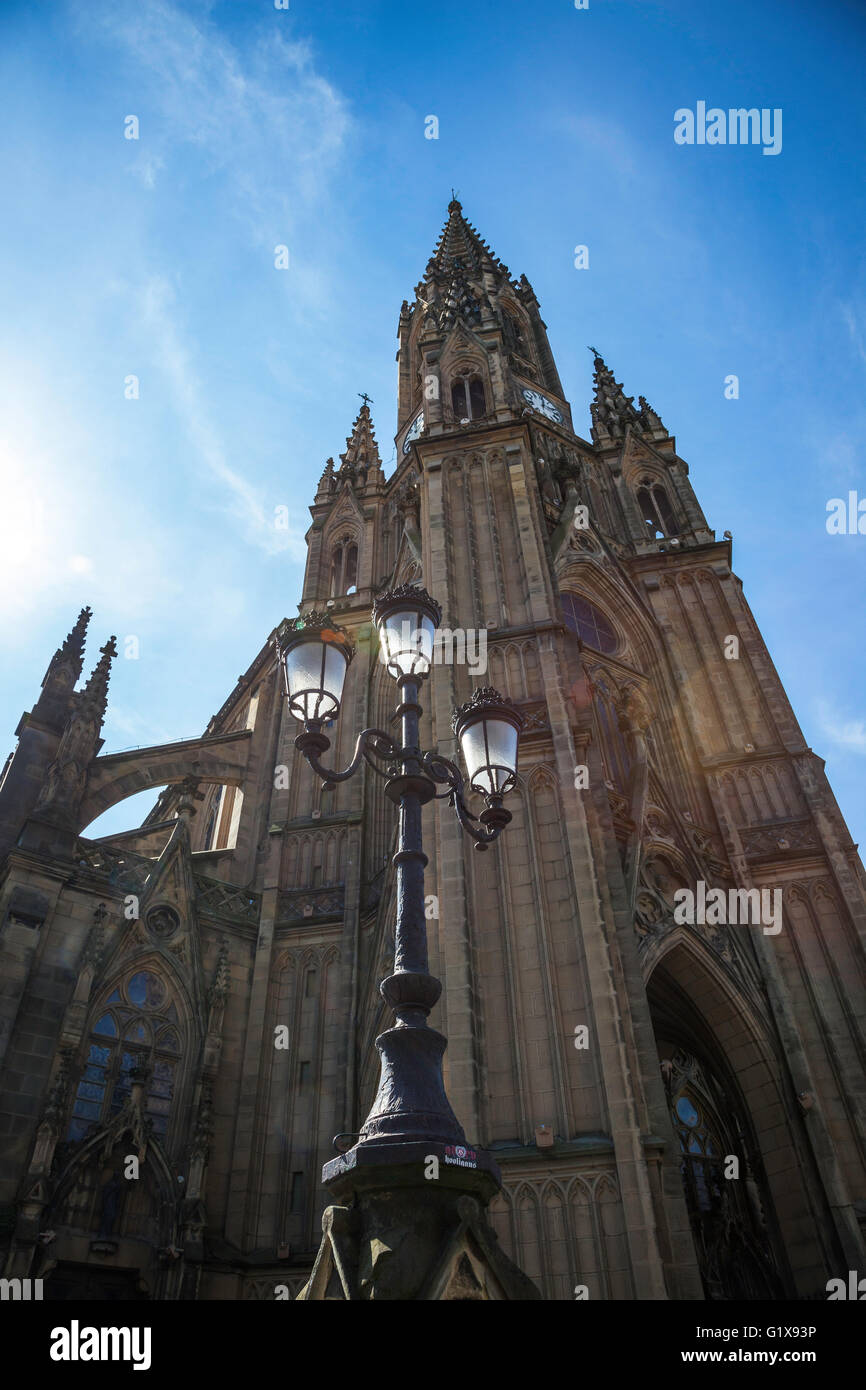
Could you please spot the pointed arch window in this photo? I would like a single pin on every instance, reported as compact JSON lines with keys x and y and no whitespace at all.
{"x":514,"y":335}
{"x":350,"y":579}
{"x":727,"y":1218}
{"x":468,"y":401}
{"x":138,"y":1026}
{"x":336,"y":571}
{"x":344,"y":568}
{"x":210,"y":831}
{"x":656,"y":509}
{"x":589,"y":623}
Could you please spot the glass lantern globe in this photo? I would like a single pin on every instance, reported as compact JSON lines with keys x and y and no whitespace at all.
{"x":315,"y":655}
{"x":488,"y":729}
{"x":406,"y":620}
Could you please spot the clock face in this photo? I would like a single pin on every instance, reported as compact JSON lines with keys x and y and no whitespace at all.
{"x":413,"y":432}
{"x":542,"y":404}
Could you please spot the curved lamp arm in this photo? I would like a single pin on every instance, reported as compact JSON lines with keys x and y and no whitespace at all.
{"x":483,"y":829}
{"x":370,"y":744}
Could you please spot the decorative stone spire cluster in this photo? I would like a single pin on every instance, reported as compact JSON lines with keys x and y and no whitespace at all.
{"x":461,"y":247}
{"x":64,"y":785}
{"x":360,"y":463}
{"x":458,"y":275}
{"x":361,"y":455}
{"x":65,"y":667}
{"x":612,"y":410}
{"x":93,"y":700}
{"x":70,"y":655}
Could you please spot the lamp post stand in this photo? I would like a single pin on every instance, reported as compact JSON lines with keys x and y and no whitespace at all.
{"x":408,"y":1219}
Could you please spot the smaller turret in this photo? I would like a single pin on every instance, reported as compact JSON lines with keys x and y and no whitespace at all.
{"x":612,"y":410}
{"x":64,"y":669}
{"x":63,"y":789}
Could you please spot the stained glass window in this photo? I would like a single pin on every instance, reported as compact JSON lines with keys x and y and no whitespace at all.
{"x":142,"y":1012}
{"x":590,"y":624}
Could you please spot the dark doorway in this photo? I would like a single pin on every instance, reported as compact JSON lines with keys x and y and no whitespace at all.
{"x":736,"y":1235}
{"x":79,"y":1283}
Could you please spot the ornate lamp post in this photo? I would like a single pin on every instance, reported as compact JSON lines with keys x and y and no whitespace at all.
{"x":411,"y":1120}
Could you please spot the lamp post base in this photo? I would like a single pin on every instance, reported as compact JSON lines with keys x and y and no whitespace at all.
{"x":411,"y":1225}
{"x":410,"y":1104}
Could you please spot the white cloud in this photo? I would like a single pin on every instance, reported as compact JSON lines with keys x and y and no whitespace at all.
{"x":845,"y":733}
{"x":854,"y":330}
{"x":261,"y":114}
{"x":251,"y":116}
{"x":245,"y":501}
{"x":61,"y":544}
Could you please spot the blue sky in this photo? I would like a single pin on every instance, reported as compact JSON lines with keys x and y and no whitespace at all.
{"x":305,"y":127}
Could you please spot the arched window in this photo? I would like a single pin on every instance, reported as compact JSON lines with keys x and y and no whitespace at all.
{"x":514,"y":335}
{"x":727,"y":1220}
{"x":656,"y":509}
{"x":336,"y":571}
{"x":344,"y":568}
{"x":590,"y":624}
{"x":350,"y":578}
{"x":467,"y":398}
{"x":210,"y":832}
{"x":702,"y":1150}
{"x":138,"y":1027}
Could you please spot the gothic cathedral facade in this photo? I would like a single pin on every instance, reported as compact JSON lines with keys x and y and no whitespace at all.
{"x":188,"y":1010}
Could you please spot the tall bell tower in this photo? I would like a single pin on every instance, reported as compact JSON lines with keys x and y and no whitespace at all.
{"x":605,"y":1051}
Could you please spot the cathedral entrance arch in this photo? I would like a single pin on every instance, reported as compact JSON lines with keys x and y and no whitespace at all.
{"x":727,"y":1194}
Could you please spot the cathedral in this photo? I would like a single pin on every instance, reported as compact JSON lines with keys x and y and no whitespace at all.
{"x":188,"y":1009}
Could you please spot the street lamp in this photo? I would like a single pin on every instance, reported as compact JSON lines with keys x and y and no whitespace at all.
{"x":411,"y":1118}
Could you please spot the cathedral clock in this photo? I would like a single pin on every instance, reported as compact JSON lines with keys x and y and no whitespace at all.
{"x":413,"y":432}
{"x":543,"y":405}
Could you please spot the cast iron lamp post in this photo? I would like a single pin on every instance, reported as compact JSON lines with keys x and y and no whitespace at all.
{"x":411,"y":1116}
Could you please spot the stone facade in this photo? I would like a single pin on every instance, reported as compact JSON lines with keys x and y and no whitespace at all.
{"x":615,"y":1060}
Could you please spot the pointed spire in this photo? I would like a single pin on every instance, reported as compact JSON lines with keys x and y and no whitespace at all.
{"x":461,"y":248}
{"x":71,"y":653}
{"x":56,"y":696}
{"x":361,"y":455}
{"x":222,"y":975}
{"x":94,"y":697}
{"x":611,"y":409}
{"x":651,"y":420}
{"x":456,"y":281}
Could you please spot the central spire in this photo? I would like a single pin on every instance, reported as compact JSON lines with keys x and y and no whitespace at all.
{"x":461,"y":248}
{"x":472,"y":343}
